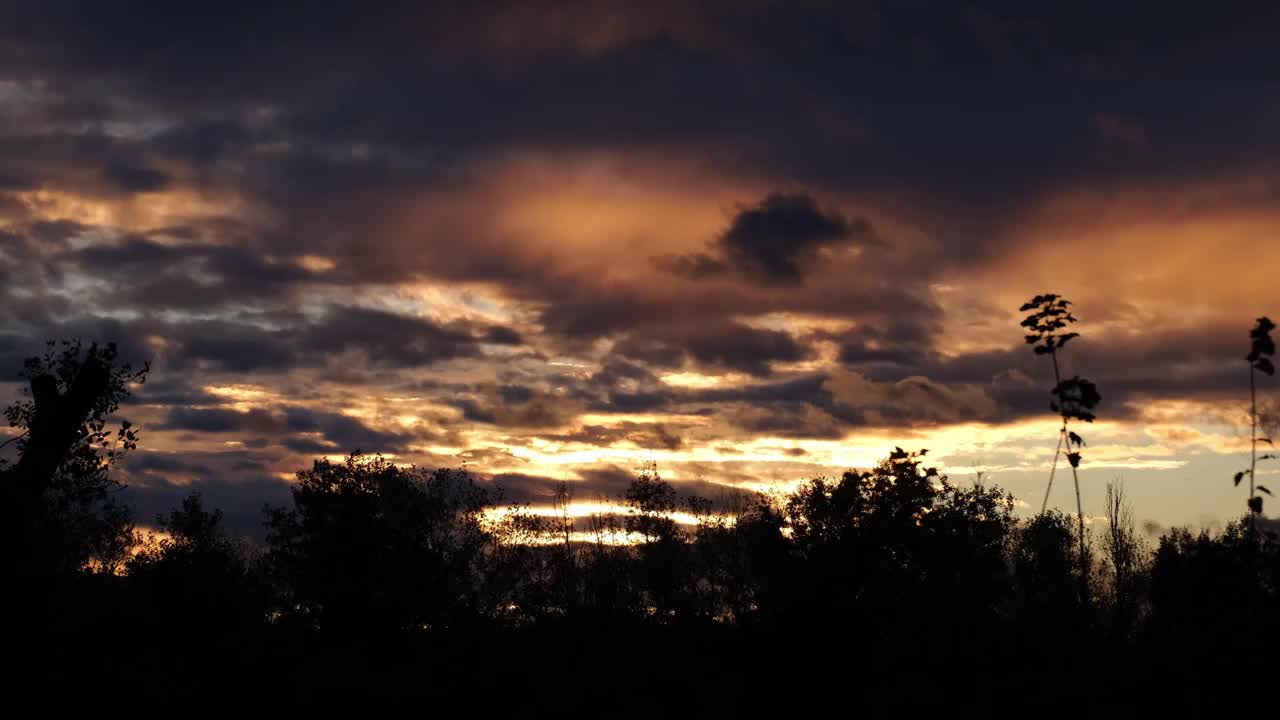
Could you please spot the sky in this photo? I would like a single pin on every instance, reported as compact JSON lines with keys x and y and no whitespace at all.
{"x":750,"y":242}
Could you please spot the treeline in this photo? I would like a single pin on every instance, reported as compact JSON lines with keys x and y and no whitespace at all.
{"x":390,"y":572}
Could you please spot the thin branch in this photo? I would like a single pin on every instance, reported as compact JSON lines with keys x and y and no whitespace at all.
{"x":15,"y":438}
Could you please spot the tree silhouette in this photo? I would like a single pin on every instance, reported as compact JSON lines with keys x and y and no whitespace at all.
{"x":372,"y":547}
{"x":1126,"y":552}
{"x":59,"y":496}
{"x":197,"y":580}
{"x":409,"y":571}
{"x":879,"y":548}
{"x":1047,"y":579}
{"x":1212,"y":591}
{"x":663,"y":554}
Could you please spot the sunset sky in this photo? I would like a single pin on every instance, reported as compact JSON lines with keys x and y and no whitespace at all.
{"x":752,"y":242}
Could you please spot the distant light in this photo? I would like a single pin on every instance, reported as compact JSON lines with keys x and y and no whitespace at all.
{"x":316,"y":263}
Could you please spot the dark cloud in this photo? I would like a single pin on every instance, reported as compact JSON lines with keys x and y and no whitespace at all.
{"x":135,"y":178}
{"x":172,"y":389}
{"x":728,"y":345}
{"x":767,"y":88}
{"x":515,"y":394}
{"x":284,"y":134}
{"x":515,"y":406}
{"x":307,"y":446}
{"x":901,"y":341}
{"x":622,"y":401}
{"x":793,"y":420}
{"x":347,"y":433}
{"x":499,"y":335}
{"x":657,"y":436}
{"x":200,"y":276}
{"x":279,"y":341}
{"x":389,"y":339}
{"x":239,"y":493}
{"x":219,"y":420}
{"x":777,"y":240}
{"x":147,"y":462}
{"x":342,"y":433}
{"x":234,"y":348}
{"x":808,"y":388}
{"x":1131,"y":369}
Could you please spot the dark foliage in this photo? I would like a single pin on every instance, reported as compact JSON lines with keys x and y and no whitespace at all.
{"x":385,"y":580}
{"x":372,"y":547}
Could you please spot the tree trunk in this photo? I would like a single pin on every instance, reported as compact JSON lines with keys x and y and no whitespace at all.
{"x":56,"y":427}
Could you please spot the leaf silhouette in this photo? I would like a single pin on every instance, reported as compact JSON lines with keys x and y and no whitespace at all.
{"x":1255,"y":504}
{"x":1239,"y":477}
{"x":1264,"y":345}
{"x":1263,"y":488}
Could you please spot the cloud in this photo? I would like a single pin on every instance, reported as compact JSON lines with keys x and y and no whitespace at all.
{"x":219,"y":420}
{"x":347,"y":434}
{"x":341,"y":433}
{"x":135,"y":178}
{"x":644,"y":435}
{"x":722,"y":345}
{"x":909,"y":401}
{"x":776,"y":240}
{"x":197,"y":186}
{"x":156,"y":485}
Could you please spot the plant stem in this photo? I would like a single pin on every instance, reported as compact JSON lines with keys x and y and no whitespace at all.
{"x":1075,"y":477}
{"x":1053,"y":468}
{"x":1084,"y":559}
{"x":1253,"y":441}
